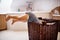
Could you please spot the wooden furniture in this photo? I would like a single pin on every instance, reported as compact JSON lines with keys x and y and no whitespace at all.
{"x":56,"y":17}
{"x":42,"y":31}
{"x":55,"y":11}
{"x":3,"y":25}
{"x":55,"y":14}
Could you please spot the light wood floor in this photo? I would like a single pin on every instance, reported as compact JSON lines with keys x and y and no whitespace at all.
{"x":17,"y":35}
{"x":58,"y":38}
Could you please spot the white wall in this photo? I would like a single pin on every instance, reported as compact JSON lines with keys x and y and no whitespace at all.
{"x":45,"y":5}
{"x":16,"y":4}
{"x":5,"y":5}
{"x":19,"y":4}
{"x":13,"y":5}
{"x":38,"y":5}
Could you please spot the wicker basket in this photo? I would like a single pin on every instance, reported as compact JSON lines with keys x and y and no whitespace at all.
{"x":42,"y":32}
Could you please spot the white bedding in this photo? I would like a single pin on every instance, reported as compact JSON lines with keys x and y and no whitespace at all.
{"x":17,"y":25}
{"x":13,"y":35}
